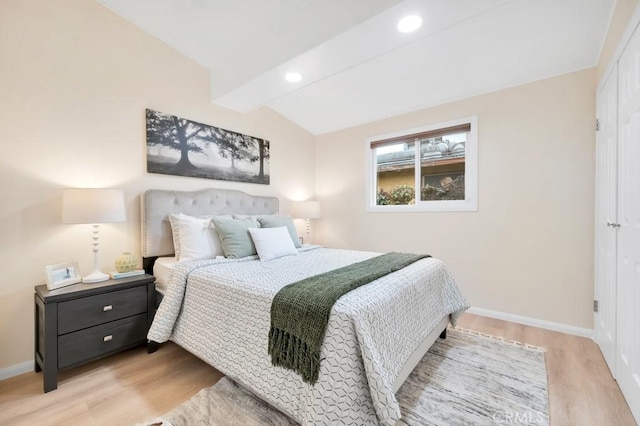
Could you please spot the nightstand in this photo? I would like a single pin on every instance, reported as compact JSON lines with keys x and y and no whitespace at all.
{"x":83,"y":322}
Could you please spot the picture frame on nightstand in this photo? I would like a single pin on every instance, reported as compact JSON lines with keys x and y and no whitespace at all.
{"x":62,"y":275}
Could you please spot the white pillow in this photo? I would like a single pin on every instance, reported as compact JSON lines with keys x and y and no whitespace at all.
{"x":196,"y":238}
{"x":272,"y":243}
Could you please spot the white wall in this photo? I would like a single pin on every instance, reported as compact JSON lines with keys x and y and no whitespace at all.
{"x":75,"y":80}
{"x":528,"y":250}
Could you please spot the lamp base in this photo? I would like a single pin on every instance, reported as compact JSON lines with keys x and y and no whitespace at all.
{"x":95,"y":277}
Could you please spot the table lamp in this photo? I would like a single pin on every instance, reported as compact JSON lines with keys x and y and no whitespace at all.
{"x":93,"y":206}
{"x":307,"y":210}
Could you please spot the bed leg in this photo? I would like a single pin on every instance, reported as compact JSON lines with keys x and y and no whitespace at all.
{"x":443,"y":335}
{"x":152,"y":346}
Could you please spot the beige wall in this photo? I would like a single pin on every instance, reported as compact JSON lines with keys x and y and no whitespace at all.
{"x":529,"y":248}
{"x":75,"y":80}
{"x":622,"y":13}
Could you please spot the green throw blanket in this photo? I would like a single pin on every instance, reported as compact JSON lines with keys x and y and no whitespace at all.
{"x":300,"y":311}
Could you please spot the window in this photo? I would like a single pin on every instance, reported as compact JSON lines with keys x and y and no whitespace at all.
{"x":433,"y":168}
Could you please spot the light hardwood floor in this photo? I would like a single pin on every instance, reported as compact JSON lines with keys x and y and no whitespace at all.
{"x":132,"y":386}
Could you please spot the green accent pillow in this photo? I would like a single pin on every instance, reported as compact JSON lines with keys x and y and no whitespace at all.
{"x":277,"y":221}
{"x":235,"y":237}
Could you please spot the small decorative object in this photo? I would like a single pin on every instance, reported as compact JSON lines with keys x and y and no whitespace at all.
{"x":135,"y":272}
{"x":126,"y":262}
{"x":62,"y":275}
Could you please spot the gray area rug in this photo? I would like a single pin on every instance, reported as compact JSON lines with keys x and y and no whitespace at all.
{"x":466,"y":379}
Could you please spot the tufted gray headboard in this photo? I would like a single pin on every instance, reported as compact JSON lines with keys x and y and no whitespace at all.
{"x":157,"y":204}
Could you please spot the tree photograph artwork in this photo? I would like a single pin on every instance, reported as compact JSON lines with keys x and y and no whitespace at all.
{"x":177,"y":146}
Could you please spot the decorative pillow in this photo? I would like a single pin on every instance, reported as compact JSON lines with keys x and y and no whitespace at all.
{"x":194,"y":238}
{"x":252,"y":216}
{"x":235,"y":238}
{"x":174,"y":221}
{"x":278,"y":221}
{"x":272,"y":243}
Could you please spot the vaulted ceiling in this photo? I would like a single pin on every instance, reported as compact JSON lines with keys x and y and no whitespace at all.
{"x":356,"y":67}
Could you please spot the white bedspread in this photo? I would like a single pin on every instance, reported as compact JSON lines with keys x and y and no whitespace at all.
{"x":222,"y":315}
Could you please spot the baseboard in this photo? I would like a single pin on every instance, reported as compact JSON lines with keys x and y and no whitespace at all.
{"x":534,"y":322}
{"x":16,"y":370}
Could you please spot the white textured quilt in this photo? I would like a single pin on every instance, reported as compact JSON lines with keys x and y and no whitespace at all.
{"x":220,"y":311}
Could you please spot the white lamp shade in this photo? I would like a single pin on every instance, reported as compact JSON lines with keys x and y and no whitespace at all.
{"x":308,"y":209}
{"x":89,"y":205}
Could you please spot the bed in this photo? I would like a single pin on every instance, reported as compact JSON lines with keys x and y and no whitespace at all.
{"x":219,"y":310}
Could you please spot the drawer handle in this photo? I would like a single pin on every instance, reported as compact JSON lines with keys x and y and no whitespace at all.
{"x":107,"y":308}
{"x":107,"y":338}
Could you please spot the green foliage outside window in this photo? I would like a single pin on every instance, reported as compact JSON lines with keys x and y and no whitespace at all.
{"x":398,"y":195}
{"x":404,"y":194}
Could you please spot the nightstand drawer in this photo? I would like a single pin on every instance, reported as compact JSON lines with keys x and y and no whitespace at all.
{"x":93,"y":310}
{"x":74,"y":348}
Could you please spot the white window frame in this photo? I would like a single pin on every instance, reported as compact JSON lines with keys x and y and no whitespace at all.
{"x":469,"y":204}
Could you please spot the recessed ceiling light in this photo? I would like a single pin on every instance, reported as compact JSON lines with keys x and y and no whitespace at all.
{"x":293,"y":77}
{"x":409,"y":23}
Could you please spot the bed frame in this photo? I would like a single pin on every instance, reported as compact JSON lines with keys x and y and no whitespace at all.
{"x":158,"y":204}
{"x":157,"y":240}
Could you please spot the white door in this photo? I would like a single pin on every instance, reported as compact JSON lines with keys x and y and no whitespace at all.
{"x":606,"y":217}
{"x":628,"y":335}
